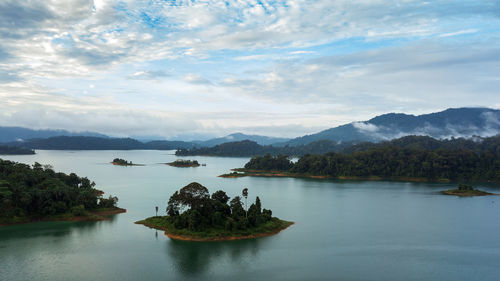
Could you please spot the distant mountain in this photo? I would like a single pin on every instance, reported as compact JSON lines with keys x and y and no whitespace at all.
{"x":95,"y":143}
{"x":10,"y":134}
{"x":262,"y":140}
{"x":453,"y":122}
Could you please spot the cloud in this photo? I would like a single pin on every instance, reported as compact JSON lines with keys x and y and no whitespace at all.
{"x":365,"y":127}
{"x":314,"y":63}
{"x":147,"y":75}
{"x":196,"y":79}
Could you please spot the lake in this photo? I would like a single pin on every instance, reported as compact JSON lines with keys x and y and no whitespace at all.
{"x":344,"y":230}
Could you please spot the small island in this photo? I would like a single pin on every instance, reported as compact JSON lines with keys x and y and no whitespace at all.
{"x":233,"y":174}
{"x":38,"y":193}
{"x":194,"y":215}
{"x":123,"y":162}
{"x":184,"y":163}
{"x":466,"y":191}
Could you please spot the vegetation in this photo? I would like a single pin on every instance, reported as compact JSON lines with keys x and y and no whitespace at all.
{"x":471,"y":162}
{"x":39,"y":193}
{"x":13,"y":150}
{"x":250,"y":148}
{"x":122,"y":162}
{"x":98,"y":143}
{"x":184,"y":163}
{"x":192,"y":214}
{"x":466,"y":190}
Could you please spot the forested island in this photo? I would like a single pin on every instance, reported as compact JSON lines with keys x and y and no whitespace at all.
{"x":123,"y":162}
{"x":38,"y":193}
{"x":14,"y":150}
{"x":194,"y":215}
{"x":396,"y":160}
{"x":464,"y":190}
{"x":184,"y":163}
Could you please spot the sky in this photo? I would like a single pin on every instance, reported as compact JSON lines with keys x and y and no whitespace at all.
{"x":194,"y":69}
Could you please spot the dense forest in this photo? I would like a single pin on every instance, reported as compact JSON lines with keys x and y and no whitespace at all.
{"x":410,"y":157}
{"x":249,"y":148}
{"x":35,"y":192}
{"x":202,"y":211}
{"x":98,"y":143}
{"x":191,"y":211}
{"x":13,"y":150}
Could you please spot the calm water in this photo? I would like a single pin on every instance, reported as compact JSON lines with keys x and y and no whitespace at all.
{"x":343,"y":230}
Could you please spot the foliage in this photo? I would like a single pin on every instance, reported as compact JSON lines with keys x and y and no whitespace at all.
{"x":13,"y":150}
{"x":414,"y":157}
{"x":39,"y":191}
{"x":123,"y":162}
{"x":192,"y":208}
{"x":268,"y":162}
{"x":251,"y":148}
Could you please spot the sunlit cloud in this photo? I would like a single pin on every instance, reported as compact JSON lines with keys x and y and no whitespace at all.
{"x":215,"y":67}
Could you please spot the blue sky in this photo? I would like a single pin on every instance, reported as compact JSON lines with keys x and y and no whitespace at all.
{"x":280,"y":68}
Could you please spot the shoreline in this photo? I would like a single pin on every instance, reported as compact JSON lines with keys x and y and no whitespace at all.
{"x":262,"y":173}
{"x":125,"y":165}
{"x":181,"y":166}
{"x":96,"y":215}
{"x":213,"y":239}
{"x":454,"y":192}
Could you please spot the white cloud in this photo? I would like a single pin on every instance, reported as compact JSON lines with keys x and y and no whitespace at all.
{"x":261,"y":65}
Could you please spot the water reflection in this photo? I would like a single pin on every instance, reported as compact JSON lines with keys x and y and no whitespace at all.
{"x":192,"y":259}
{"x":52,"y":229}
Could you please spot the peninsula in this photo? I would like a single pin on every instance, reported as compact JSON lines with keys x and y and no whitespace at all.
{"x":38,"y":193}
{"x":194,"y":215}
{"x":393,"y":161}
{"x":184,"y":163}
{"x":464,"y":190}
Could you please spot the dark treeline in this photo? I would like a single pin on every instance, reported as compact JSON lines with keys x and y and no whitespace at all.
{"x":35,"y":192}
{"x":417,"y":157}
{"x":97,"y":143}
{"x":14,"y":150}
{"x":249,"y":148}
{"x":192,"y":208}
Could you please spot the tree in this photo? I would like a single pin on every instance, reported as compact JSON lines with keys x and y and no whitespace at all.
{"x":194,"y":195}
{"x":245,"y":194}
{"x":156,"y":208}
{"x":220,"y":196}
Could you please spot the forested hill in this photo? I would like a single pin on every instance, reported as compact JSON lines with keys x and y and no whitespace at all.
{"x":417,"y":157}
{"x":13,"y":150}
{"x":249,"y":148}
{"x":96,"y":143}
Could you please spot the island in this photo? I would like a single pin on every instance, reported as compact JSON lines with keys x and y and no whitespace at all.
{"x":233,"y":174}
{"x":466,"y":191}
{"x":184,"y":163}
{"x":194,"y":215}
{"x":38,"y":193}
{"x":123,"y":162}
{"x":15,"y":150}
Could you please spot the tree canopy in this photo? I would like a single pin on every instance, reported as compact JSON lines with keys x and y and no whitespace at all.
{"x":193,"y":208}
{"x":38,"y":191}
